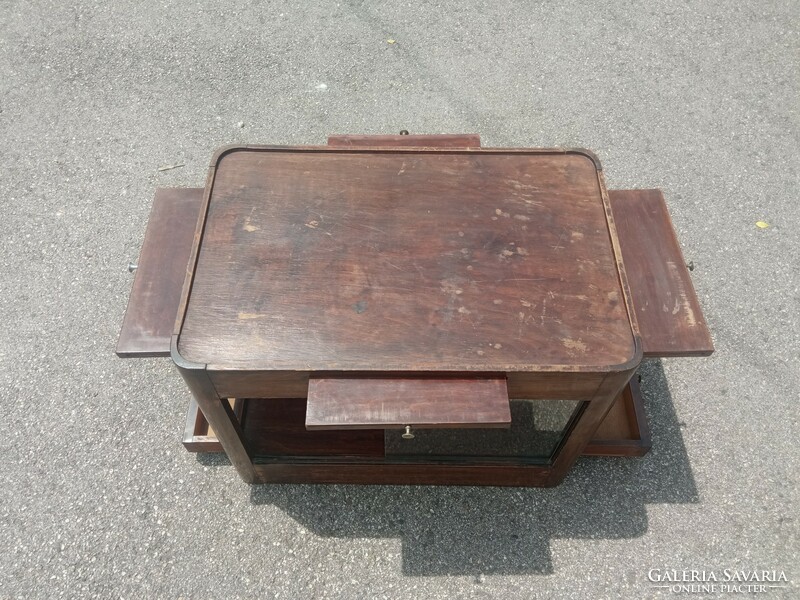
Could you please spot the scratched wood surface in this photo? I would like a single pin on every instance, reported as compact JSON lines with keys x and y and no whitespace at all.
{"x":392,"y":403}
{"x":670,"y":318}
{"x":317,"y":259}
{"x":156,"y":292}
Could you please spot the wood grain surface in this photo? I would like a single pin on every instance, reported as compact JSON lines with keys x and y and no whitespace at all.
{"x":548,"y":385}
{"x":670,"y":318}
{"x":392,"y":403}
{"x":323,"y":259}
{"x":156,"y":292}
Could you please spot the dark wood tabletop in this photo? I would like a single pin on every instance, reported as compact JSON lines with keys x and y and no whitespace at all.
{"x":338,"y":259}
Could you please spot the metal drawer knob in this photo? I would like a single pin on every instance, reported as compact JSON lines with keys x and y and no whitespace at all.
{"x":408,"y":435}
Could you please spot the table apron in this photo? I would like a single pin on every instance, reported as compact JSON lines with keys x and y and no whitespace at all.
{"x":294,"y":384}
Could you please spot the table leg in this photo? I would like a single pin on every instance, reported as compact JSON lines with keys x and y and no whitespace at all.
{"x":587,"y":424}
{"x":219,"y":414}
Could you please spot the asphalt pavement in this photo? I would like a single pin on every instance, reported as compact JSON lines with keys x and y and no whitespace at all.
{"x":98,"y":499}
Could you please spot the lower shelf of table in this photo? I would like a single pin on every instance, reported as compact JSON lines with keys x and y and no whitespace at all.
{"x":276,"y":428}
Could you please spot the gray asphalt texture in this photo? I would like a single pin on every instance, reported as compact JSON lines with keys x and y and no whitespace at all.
{"x":97,"y":496}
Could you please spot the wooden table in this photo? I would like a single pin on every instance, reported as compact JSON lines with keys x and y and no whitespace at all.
{"x":411,"y":309}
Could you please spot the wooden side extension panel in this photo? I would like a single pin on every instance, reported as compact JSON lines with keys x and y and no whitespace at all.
{"x":156,"y":292}
{"x":670,"y":318}
{"x":464,"y":140}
